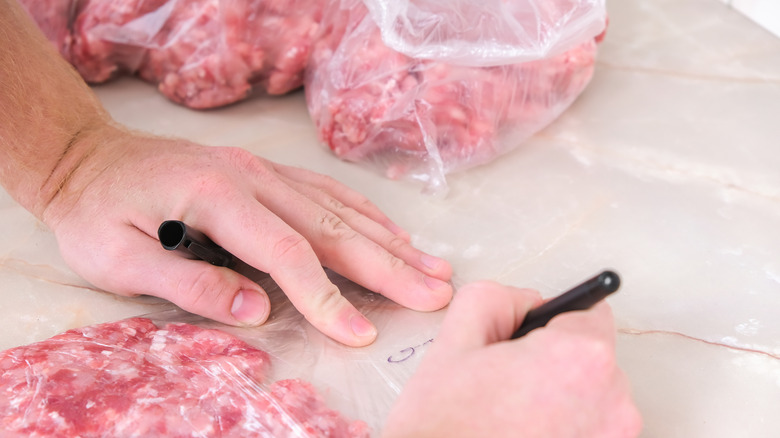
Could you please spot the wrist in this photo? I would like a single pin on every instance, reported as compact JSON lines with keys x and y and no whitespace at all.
{"x":78,"y":164}
{"x":49,"y":118}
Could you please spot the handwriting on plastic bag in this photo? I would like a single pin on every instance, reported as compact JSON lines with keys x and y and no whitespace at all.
{"x":406,"y":353}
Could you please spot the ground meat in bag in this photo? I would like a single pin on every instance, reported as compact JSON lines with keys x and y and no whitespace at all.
{"x":421,"y":118}
{"x":109,"y":37}
{"x":201,"y":53}
{"x":129,"y":378}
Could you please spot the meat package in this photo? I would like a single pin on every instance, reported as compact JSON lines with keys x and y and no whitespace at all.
{"x":201,"y":53}
{"x":416,"y":89}
{"x":419,"y":89}
{"x":131,"y":378}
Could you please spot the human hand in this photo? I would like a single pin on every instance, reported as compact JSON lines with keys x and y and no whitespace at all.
{"x":285,"y":221}
{"x":104,"y":191}
{"x":557,"y":381}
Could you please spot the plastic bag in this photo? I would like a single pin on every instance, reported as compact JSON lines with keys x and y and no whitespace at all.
{"x":486,"y":32}
{"x":131,"y":378}
{"x":427,"y":92}
{"x":195,"y":377}
{"x":201,"y":53}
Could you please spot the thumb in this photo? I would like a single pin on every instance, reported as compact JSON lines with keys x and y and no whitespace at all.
{"x":147,"y":269}
{"x":217,"y":293}
{"x":483,"y":313}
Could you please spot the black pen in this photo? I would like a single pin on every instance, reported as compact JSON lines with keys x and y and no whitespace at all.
{"x":581,"y":297}
{"x":177,"y":236}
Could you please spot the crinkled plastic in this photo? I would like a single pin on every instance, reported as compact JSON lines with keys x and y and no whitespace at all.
{"x":201,"y":53}
{"x":131,"y":378}
{"x":486,"y":32}
{"x":422,"y":95}
{"x":176,"y":374}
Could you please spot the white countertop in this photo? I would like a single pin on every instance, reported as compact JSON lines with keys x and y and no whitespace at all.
{"x":666,"y":169}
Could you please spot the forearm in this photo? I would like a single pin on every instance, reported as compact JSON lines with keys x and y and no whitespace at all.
{"x":49,"y":118}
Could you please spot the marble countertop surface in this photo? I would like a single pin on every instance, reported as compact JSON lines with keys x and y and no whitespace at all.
{"x":667,"y":169}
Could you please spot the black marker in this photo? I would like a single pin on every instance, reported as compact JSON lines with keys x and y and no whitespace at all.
{"x":581,"y":297}
{"x":176,"y":235}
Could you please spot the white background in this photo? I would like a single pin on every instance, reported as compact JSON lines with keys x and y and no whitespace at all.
{"x":764,"y":12}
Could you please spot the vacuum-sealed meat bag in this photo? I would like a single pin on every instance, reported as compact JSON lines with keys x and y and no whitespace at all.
{"x":419,"y":89}
{"x":132,"y":378}
{"x":201,"y":53}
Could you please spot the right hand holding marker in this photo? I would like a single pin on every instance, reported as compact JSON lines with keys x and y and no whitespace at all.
{"x":557,"y":381}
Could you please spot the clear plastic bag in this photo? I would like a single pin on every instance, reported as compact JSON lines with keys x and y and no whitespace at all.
{"x":131,"y":378}
{"x":201,"y":53}
{"x":421,"y":89}
{"x":176,"y":374}
{"x":486,"y":32}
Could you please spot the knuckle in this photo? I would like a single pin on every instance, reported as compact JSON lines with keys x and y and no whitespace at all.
{"x":396,"y":244}
{"x":201,"y":289}
{"x":208,"y":182}
{"x":395,"y":263}
{"x":325,"y":301}
{"x":290,"y":247}
{"x":363,"y":201}
{"x":332,"y":227}
{"x":241,"y":161}
{"x":240,"y":157}
{"x":336,"y":206}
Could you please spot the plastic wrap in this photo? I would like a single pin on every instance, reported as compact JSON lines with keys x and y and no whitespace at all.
{"x":428,"y":91}
{"x":201,"y":53}
{"x":176,"y":374}
{"x":486,"y":32}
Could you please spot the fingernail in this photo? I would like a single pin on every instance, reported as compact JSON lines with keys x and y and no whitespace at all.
{"x":430,"y":261}
{"x":361,"y":326}
{"x":435,"y":283}
{"x":249,"y":307}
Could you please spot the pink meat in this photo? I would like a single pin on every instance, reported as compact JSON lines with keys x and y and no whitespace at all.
{"x":109,"y":39}
{"x":413,"y":117}
{"x":201,"y":53}
{"x":199,"y":57}
{"x":129,"y":378}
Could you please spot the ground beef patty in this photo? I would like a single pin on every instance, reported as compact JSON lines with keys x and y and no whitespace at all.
{"x":131,"y":378}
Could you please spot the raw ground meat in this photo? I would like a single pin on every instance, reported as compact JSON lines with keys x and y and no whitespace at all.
{"x":201,"y":53}
{"x":129,"y":378}
{"x":421,"y":118}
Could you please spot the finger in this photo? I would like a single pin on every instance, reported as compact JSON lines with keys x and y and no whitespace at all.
{"x":484,"y":312}
{"x":596,"y":322}
{"x":352,"y":254}
{"x":344,"y":194}
{"x":258,"y":237}
{"x":372,"y":230}
{"x":195,"y":286}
